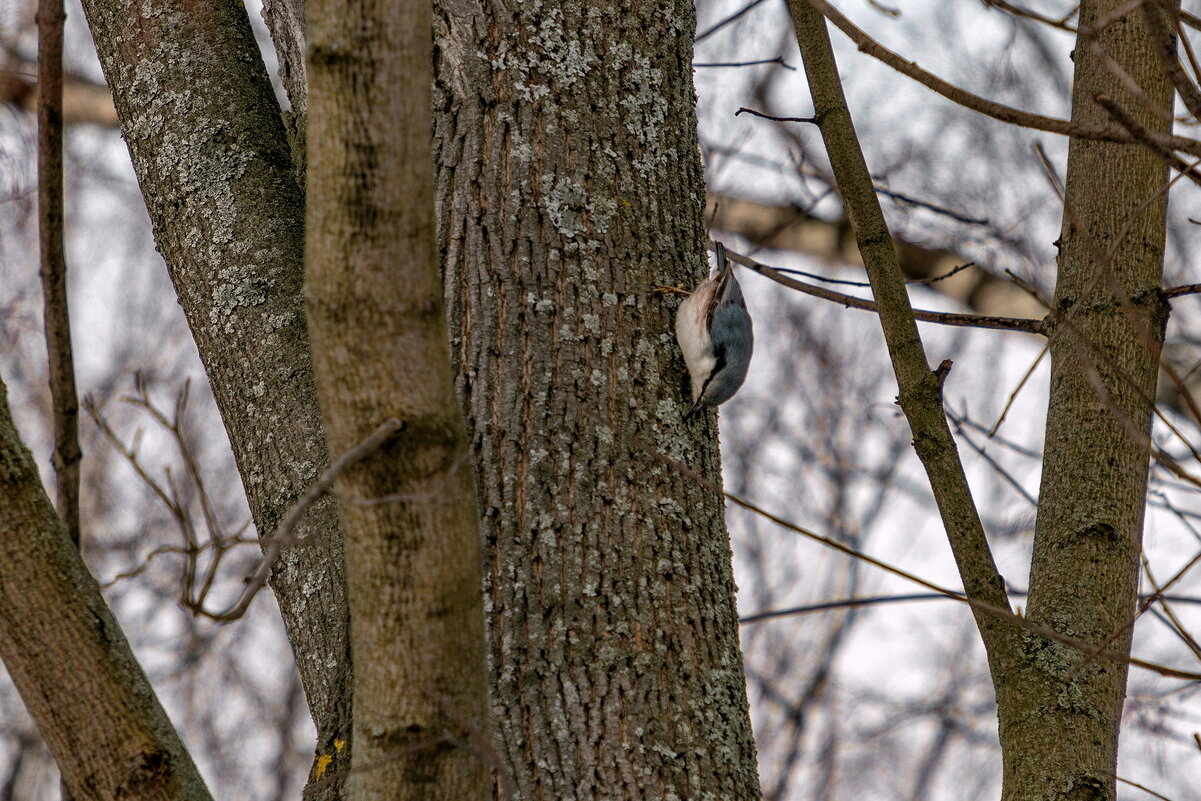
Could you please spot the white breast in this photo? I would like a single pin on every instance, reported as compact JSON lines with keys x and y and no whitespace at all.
{"x":693,"y":335}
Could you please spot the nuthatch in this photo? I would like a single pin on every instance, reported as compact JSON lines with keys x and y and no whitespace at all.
{"x":714,"y":331}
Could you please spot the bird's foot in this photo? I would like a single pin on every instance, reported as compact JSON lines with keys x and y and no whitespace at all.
{"x":678,"y":289}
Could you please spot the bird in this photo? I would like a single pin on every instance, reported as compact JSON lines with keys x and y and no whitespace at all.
{"x":715,"y":333}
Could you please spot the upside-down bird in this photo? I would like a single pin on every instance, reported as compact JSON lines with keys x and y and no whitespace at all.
{"x":714,"y":331}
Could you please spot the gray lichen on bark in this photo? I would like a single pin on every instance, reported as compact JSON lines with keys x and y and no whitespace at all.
{"x":569,"y":184}
{"x":212,"y":159}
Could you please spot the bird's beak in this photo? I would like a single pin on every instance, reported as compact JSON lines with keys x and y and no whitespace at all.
{"x":724,"y":270}
{"x":696,"y":407}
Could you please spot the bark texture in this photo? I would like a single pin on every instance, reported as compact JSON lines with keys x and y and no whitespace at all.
{"x":92,"y":703}
{"x":211,"y":156}
{"x":380,"y":347}
{"x":569,"y":185}
{"x":1060,"y":717}
{"x":286,"y":21}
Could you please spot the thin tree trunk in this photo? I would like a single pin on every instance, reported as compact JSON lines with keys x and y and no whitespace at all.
{"x":1061,"y":714}
{"x":53,"y":261}
{"x":211,"y":156}
{"x":380,"y":348}
{"x":89,"y":698}
{"x":569,"y":185}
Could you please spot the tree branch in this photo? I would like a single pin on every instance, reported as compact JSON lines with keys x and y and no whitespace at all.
{"x":1030,"y":326}
{"x":920,"y":394}
{"x":53,"y":263}
{"x":112,"y":740}
{"x":989,"y":108}
{"x":286,"y":534}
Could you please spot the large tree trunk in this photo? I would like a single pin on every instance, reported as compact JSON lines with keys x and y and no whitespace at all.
{"x":380,"y":348}
{"x":1061,"y":713}
{"x":569,"y":184}
{"x":211,"y":156}
{"x":66,"y":654}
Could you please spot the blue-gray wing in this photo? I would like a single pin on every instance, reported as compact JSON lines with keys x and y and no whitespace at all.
{"x":733,"y":342}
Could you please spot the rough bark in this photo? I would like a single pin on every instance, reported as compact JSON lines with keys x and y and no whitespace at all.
{"x":1060,"y":718}
{"x":92,"y":703}
{"x":380,"y":347}
{"x":208,"y":145}
{"x":570,"y":184}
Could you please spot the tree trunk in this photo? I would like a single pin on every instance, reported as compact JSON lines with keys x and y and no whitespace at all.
{"x":1060,"y":713}
{"x":380,"y":348}
{"x":92,"y":704}
{"x":569,"y":184}
{"x":211,"y":156}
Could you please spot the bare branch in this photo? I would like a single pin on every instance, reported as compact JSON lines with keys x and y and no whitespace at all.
{"x":752,"y":112}
{"x":777,"y":60}
{"x":284,"y":535}
{"x":919,"y":395}
{"x":65,"y":398}
{"x":1153,"y":141}
{"x":1154,"y":14}
{"x":989,"y":108}
{"x":945,"y":318}
{"x":717,"y":26}
{"x":983,"y":608}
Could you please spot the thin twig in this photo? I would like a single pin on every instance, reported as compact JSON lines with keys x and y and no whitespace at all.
{"x":1018,"y":11}
{"x":284,"y":534}
{"x":945,"y":318}
{"x":163,"y":550}
{"x":1153,"y":141}
{"x":717,"y":26}
{"x":1003,"y":613}
{"x":1176,"y":625}
{"x":904,"y":199}
{"x":477,"y":743}
{"x":986,"y":456}
{"x":1014,"y":395}
{"x":848,"y":603}
{"x":989,"y":108}
{"x":1146,"y":790}
{"x":753,"y":113}
{"x":881,"y":600}
{"x":867,"y":285}
{"x":777,"y":60}
{"x":173,"y":496}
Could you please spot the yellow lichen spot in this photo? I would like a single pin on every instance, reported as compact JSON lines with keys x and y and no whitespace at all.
{"x":339,"y":745}
{"x":323,"y":763}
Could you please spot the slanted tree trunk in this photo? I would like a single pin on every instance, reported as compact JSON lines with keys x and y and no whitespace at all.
{"x":380,"y":348}
{"x":1060,"y":713}
{"x":1059,"y":708}
{"x":68,"y":658}
{"x":569,"y":184}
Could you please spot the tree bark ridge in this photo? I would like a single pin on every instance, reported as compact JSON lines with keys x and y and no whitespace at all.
{"x":569,"y":185}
